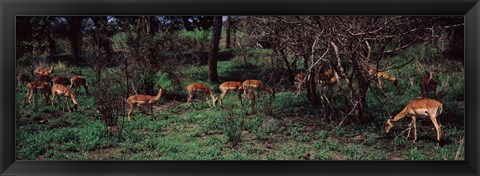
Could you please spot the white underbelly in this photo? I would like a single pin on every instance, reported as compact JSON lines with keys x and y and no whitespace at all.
{"x":421,"y":113}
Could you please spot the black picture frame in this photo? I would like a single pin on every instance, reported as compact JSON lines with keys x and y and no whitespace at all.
{"x":10,"y":8}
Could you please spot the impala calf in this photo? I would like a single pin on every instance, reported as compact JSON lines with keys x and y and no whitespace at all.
{"x":37,"y":87}
{"x":78,"y":81}
{"x":143,"y":100}
{"x":63,"y":91}
{"x":199,"y":88}
{"x":421,"y":108}
{"x":230,"y":86}
{"x":428,"y":84}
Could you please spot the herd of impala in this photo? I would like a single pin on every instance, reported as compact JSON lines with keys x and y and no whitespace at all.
{"x":62,"y":86}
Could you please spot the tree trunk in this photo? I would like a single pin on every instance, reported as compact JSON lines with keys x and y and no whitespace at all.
{"x":75,"y":37}
{"x":52,"y":46}
{"x":312,"y":95}
{"x":212,"y":56}
{"x":228,"y":32}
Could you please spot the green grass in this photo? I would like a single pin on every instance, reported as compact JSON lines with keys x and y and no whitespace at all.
{"x":178,"y":132}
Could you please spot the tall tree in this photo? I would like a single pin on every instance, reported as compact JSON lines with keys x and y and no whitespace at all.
{"x":213,"y":54}
{"x":228,"y":32}
{"x":75,"y":36}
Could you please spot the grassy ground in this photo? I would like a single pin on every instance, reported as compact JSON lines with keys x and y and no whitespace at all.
{"x":178,"y":132}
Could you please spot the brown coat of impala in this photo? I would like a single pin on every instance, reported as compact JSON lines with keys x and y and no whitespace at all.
{"x":421,"y":108}
{"x":143,"y":100}
{"x":63,"y":91}
{"x":382,"y":75}
{"x":43,"y":71}
{"x":37,"y":87}
{"x":78,"y":81}
{"x":427,"y":84}
{"x":63,"y":80}
{"x":256,"y":85}
{"x":231,"y":86}
{"x":200,"y":89}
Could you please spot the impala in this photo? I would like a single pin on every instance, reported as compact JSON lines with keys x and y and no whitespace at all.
{"x":63,"y":91}
{"x":381,"y":75}
{"x":143,"y":100}
{"x":328,"y":77}
{"x":199,"y":88}
{"x":428,"y":84}
{"x":299,"y":79}
{"x":257,"y":85}
{"x":23,"y":78}
{"x":43,"y":71}
{"x":78,"y":81}
{"x":251,"y":85}
{"x":37,"y":87}
{"x":230,"y":86}
{"x":63,"y":80}
{"x":421,"y":108}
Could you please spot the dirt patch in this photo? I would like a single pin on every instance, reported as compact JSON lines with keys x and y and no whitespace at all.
{"x":105,"y":154}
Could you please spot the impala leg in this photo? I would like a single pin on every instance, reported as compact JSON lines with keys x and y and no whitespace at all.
{"x":45,"y":97}
{"x":68,"y":106}
{"x":30,"y":94}
{"x":240,"y":98}
{"x":59,"y":104}
{"x":189,"y":100}
{"x":414,"y":128}
{"x":53,"y":98}
{"x":130,"y":109}
{"x":86,"y":89}
{"x":221,"y":98}
{"x":206,"y":99}
{"x":437,"y":127}
{"x":252,"y":99}
{"x":409,"y":128}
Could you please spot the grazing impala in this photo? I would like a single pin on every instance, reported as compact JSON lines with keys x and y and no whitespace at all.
{"x":299,"y":79}
{"x":143,"y":100}
{"x":78,"y":81}
{"x":43,"y":71}
{"x":252,"y":85}
{"x":37,"y":87}
{"x":381,"y":75}
{"x":257,"y":85}
{"x":230,"y":86}
{"x":428,"y":84}
{"x":63,"y":80}
{"x":23,"y":78}
{"x":199,"y":88}
{"x":421,"y":108}
{"x":63,"y":91}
